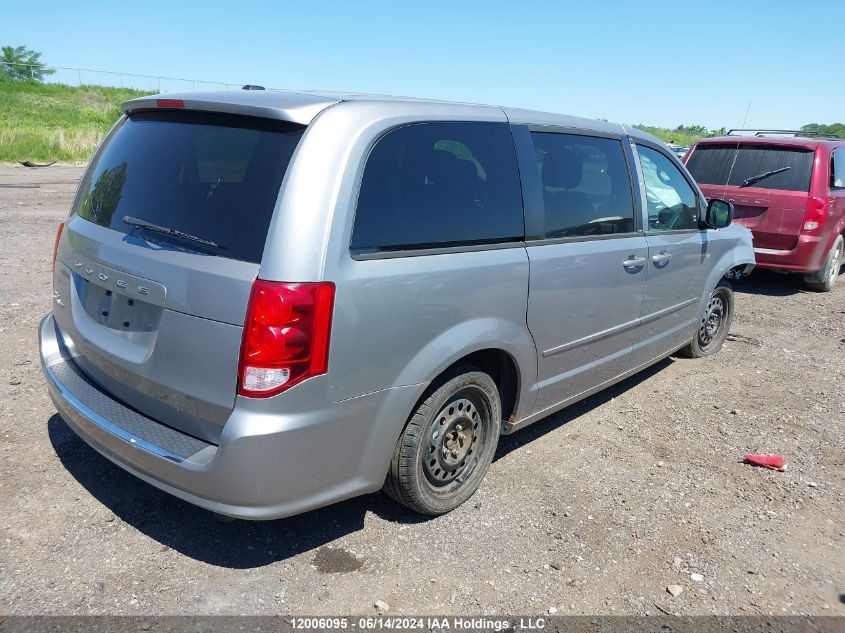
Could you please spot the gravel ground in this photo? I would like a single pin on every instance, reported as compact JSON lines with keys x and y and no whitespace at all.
{"x":597,"y":509}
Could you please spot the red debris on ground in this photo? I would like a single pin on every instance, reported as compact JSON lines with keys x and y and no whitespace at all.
{"x":767,"y":460}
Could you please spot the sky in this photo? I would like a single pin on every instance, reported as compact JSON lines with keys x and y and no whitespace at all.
{"x":656,"y":63}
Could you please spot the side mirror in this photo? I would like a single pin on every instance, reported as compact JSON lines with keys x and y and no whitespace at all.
{"x":719,"y":214}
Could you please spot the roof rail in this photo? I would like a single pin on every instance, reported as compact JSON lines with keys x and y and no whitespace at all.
{"x":796,"y":133}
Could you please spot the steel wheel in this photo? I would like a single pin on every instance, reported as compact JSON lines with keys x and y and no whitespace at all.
{"x":448,"y":443}
{"x":713,"y":321}
{"x":453,"y":442}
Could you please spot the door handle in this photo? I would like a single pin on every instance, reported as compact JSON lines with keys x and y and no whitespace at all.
{"x":632,"y":263}
{"x":661,"y":258}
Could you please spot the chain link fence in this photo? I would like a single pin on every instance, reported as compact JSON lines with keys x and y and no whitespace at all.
{"x":87,"y":76}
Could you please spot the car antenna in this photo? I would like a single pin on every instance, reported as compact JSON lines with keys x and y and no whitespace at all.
{"x":736,"y":151}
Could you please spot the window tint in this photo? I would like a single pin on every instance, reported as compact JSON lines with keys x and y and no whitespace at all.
{"x":586,"y":187}
{"x":838,"y":168}
{"x":213,"y":176}
{"x":671,"y":201}
{"x":712,"y":164}
{"x":439,"y":184}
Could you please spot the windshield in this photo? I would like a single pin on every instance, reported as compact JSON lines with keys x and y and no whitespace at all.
{"x":711,"y":164}
{"x":215,"y":176}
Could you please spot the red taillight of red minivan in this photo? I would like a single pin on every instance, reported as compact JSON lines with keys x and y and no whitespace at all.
{"x":815,"y":214}
{"x":59,"y":230}
{"x":286,"y":336}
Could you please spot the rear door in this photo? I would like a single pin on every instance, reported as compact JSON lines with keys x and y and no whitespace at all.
{"x":678,"y":258}
{"x":773,"y":207}
{"x":587,"y":259}
{"x":156,"y":319}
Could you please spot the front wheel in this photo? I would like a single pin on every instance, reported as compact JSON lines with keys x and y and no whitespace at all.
{"x":715,"y":323}
{"x":448,"y":444}
{"x":823,"y":279}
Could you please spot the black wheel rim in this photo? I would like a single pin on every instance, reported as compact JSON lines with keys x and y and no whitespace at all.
{"x":456,"y":440}
{"x":712,"y":324}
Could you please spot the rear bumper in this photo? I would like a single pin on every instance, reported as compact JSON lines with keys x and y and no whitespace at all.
{"x":268,"y":464}
{"x":807,"y":255}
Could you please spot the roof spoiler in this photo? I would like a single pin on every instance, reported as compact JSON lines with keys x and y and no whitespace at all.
{"x":285,"y":106}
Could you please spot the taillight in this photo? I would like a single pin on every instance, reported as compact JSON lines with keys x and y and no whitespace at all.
{"x":59,"y":230}
{"x":815,"y":214}
{"x":170,"y":103}
{"x":286,"y":336}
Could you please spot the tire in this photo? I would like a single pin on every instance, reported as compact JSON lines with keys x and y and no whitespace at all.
{"x":823,"y":279}
{"x":447,"y":444}
{"x":715,"y":323}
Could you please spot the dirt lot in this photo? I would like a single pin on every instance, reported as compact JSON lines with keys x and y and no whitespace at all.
{"x":594,"y":510}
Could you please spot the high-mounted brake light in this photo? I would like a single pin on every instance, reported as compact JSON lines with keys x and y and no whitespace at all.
{"x":815,"y":214}
{"x":59,"y":230}
{"x":286,"y":336}
{"x":170,"y":103}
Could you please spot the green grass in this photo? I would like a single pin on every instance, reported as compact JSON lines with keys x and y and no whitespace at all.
{"x":670,"y":136}
{"x":47,"y":122}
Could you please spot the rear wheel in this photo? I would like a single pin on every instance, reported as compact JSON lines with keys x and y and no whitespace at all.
{"x":715,"y":323}
{"x":824,"y":279}
{"x":448,"y":444}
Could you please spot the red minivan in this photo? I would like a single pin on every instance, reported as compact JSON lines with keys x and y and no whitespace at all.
{"x":788,"y":188}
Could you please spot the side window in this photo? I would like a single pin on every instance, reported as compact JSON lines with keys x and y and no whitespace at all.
{"x":838,"y":168}
{"x":672,"y":203}
{"x":586,"y":186}
{"x":439,"y":184}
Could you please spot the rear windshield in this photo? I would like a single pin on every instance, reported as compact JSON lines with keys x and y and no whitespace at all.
{"x":212,"y":176}
{"x":711,"y":164}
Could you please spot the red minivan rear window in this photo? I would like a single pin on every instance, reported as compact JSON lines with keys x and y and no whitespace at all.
{"x":711,"y":165}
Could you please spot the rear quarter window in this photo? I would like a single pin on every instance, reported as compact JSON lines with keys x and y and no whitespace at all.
{"x":431,"y":185}
{"x":729,"y":164}
{"x":214,"y":176}
{"x":837,"y":172}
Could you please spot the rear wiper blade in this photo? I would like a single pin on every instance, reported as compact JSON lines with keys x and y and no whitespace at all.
{"x":750,"y":181}
{"x":143,"y":224}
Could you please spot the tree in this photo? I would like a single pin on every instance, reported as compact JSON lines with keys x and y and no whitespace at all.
{"x":18,"y":63}
{"x":692,"y":130}
{"x":833,"y":129}
{"x":100,"y":202}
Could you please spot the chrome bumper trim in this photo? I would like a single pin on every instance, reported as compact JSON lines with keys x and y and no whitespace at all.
{"x":771,"y":251}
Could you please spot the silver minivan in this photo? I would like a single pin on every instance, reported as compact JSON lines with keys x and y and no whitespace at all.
{"x":265,"y":302}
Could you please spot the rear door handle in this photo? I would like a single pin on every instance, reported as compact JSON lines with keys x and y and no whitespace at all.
{"x":632,"y":263}
{"x":661,"y":257}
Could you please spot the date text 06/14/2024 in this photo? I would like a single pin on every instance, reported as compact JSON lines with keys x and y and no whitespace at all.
{"x":409,"y":623}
